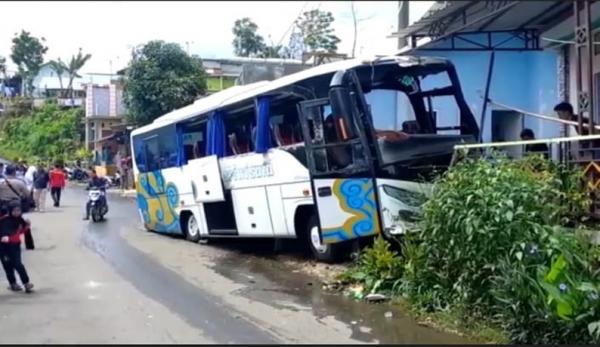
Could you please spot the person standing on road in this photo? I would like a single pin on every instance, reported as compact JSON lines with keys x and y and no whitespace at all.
{"x":12,"y":188}
{"x":29,"y":176}
{"x":57,"y":184}
{"x":41,"y":179}
{"x":12,"y":226}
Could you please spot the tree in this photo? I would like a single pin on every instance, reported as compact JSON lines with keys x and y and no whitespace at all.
{"x":73,"y":67}
{"x":28,"y":54}
{"x":161,"y":77}
{"x":59,"y":68}
{"x":317,"y":33}
{"x":247,"y":43}
{"x":271,"y":52}
{"x":3,"y":67}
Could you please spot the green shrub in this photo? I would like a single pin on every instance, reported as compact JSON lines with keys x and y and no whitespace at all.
{"x":378,"y":268}
{"x":550,"y":293}
{"x":475,"y":251}
{"x":45,"y":133}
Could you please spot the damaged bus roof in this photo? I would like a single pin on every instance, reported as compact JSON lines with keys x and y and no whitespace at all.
{"x":236,"y":94}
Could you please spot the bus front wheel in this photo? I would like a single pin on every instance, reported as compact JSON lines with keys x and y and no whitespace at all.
{"x":328,"y":253}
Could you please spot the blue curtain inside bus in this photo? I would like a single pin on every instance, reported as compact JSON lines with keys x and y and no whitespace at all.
{"x":263,"y":129}
{"x":180,"y":148}
{"x":216,"y":142}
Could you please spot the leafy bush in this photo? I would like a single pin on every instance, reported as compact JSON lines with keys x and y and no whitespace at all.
{"x":48,"y":133}
{"x":549,"y":294}
{"x":478,"y":212}
{"x":379,"y":268}
{"x":491,"y":246}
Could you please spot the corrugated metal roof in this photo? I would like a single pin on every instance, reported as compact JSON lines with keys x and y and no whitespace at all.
{"x":448,"y":17}
{"x":438,"y":10}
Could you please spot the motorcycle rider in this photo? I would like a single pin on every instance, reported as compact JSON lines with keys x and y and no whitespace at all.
{"x":96,"y":183}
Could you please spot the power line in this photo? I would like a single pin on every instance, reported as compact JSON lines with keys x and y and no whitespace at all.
{"x":293,"y":23}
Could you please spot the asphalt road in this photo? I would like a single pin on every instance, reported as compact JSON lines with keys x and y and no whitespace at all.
{"x":113,"y":282}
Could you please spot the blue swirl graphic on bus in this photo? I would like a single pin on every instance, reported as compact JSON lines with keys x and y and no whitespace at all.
{"x":357,"y":198}
{"x":157,"y":202}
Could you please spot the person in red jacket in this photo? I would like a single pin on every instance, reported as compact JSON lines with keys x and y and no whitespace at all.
{"x":12,"y":226}
{"x":57,"y":183}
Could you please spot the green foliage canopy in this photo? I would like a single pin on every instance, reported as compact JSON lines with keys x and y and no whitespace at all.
{"x":160,"y":78}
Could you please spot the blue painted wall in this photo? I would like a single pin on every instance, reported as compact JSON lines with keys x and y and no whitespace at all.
{"x":525,"y":80}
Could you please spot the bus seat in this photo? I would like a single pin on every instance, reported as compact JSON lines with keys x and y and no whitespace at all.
{"x":238,"y":143}
{"x":277,"y":133}
{"x":286,"y":135}
{"x":411,"y":127}
{"x":233,"y":144}
{"x":273,"y":138}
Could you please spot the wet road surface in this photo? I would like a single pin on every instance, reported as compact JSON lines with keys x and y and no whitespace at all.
{"x":181,"y":292}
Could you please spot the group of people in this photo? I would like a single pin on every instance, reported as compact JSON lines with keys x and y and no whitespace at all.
{"x":21,"y":189}
{"x":32,"y":183}
{"x":565,"y":111}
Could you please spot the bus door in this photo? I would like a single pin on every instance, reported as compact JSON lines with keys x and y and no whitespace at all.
{"x":208,"y":190}
{"x":205,"y":177}
{"x":341,"y":166}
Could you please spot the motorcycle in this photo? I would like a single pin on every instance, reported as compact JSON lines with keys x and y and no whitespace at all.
{"x":98,"y":205}
{"x":114,"y":181}
{"x":76,"y":174}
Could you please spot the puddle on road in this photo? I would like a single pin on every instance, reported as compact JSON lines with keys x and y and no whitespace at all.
{"x":274,"y":284}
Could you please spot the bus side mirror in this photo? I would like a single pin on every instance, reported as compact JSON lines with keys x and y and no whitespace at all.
{"x":342,"y":109}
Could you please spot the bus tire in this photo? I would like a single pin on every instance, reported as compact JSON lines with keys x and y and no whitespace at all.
{"x":328,"y":253}
{"x":192,"y":229}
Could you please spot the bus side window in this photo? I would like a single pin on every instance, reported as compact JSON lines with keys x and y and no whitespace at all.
{"x":194,"y":138}
{"x":167,"y":141}
{"x":140,"y":160}
{"x":239,"y":129}
{"x":152,"y":153}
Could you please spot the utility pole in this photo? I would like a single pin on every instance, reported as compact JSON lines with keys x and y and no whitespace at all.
{"x":402,"y":21}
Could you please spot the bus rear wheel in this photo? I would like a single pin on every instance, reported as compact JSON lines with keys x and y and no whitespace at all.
{"x":323,"y":252}
{"x":192,"y":229}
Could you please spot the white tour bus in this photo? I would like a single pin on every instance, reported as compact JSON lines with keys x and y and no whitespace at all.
{"x":299,"y":157}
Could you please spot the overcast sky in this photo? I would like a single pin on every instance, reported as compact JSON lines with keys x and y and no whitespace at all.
{"x":108,"y":29}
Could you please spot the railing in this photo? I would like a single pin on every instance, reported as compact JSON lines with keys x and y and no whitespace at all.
{"x":65,"y":102}
{"x":76,"y":102}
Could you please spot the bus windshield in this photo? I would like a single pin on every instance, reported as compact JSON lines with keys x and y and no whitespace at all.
{"x":430,"y":115}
